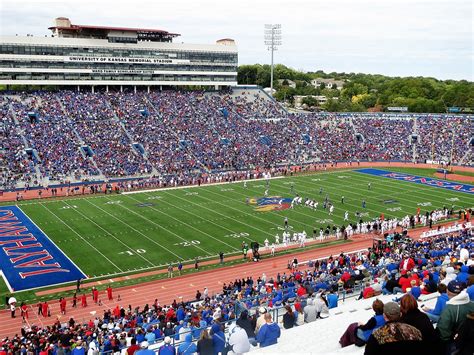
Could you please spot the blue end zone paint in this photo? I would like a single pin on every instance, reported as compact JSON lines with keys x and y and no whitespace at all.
{"x":448,"y":185}
{"x":28,"y":258}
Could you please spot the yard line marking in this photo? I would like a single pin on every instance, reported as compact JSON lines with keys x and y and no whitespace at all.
{"x":110,"y":234}
{"x":255,"y":216}
{"x":80,"y":236}
{"x":182,"y":222}
{"x":345,"y":203}
{"x":201,"y":231}
{"x":338,"y":187}
{"x":150,"y":239}
{"x":136,"y":230}
{"x":235,"y":220}
{"x":423,"y":190}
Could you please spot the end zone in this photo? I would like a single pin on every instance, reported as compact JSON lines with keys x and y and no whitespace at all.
{"x":453,"y":186}
{"x":28,"y":258}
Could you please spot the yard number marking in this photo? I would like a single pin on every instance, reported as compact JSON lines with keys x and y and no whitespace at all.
{"x":68,"y":207}
{"x":236,"y":235}
{"x":189,"y":243}
{"x":132,"y":252}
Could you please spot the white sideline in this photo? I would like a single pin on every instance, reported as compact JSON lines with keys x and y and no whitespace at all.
{"x":193,"y":186}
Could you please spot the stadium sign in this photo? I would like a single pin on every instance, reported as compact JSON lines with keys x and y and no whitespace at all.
{"x":126,"y":60}
{"x":121,"y":71}
{"x":398,"y":108}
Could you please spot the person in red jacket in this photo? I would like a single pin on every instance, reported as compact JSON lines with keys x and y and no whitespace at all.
{"x":109,"y":293}
{"x":95,"y":294}
{"x":116,"y":312}
{"x":84,"y":300}
{"x":407,"y":263}
{"x":24,"y":311}
{"x":45,"y":309}
{"x":301,"y":291}
{"x":404,"y":283}
{"x":170,"y":314}
{"x":62,"y":305}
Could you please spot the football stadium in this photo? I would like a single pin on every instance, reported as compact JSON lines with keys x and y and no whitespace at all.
{"x":150,"y":202}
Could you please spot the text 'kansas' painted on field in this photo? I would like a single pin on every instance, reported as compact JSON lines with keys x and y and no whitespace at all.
{"x":28,"y":258}
{"x":448,"y":185}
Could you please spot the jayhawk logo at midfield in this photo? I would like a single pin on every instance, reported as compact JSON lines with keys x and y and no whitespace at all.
{"x":272,"y":203}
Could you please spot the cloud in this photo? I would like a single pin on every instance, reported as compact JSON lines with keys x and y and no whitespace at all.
{"x":410,"y":37}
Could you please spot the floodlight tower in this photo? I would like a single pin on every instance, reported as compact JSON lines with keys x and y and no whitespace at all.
{"x":272,"y":41}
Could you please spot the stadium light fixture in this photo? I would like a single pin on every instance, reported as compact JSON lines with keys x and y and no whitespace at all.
{"x":272,"y":41}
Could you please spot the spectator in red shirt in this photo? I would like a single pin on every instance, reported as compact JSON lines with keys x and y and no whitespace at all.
{"x":301,"y":291}
{"x":134,"y":347}
{"x":407,"y":263}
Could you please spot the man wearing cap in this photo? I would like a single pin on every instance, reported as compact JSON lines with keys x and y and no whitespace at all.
{"x":218,"y":338}
{"x":167,"y":348}
{"x":144,"y":349}
{"x":394,"y":337}
{"x":260,"y":319}
{"x":455,"y":312}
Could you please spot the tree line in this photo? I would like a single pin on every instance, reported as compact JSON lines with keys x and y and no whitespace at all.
{"x":363,"y":92}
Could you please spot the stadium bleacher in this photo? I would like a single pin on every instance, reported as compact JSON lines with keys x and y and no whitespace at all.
{"x":432,"y":257}
{"x":257,"y":131}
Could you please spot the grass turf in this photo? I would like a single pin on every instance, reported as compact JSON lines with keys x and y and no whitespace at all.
{"x":115,"y":234}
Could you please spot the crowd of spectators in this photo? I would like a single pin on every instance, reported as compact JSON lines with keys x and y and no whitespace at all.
{"x":184,"y":133}
{"x":52,"y":135}
{"x":15,"y":165}
{"x":444,"y":138}
{"x":384,"y":138}
{"x":302,"y":294}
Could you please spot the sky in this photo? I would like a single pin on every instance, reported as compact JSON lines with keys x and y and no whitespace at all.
{"x":391,"y":37}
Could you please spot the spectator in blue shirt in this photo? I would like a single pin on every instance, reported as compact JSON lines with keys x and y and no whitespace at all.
{"x":433,"y":314}
{"x":332,"y":299}
{"x":269,"y":332}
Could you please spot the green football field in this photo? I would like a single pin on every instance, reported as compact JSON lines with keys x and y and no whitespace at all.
{"x":115,"y":234}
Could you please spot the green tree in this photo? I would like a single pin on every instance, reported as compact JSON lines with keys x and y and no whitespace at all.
{"x":310,"y":101}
